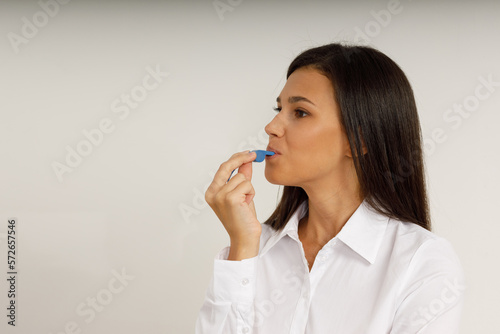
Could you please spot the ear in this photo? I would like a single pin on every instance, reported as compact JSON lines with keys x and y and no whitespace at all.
{"x":348,"y":149}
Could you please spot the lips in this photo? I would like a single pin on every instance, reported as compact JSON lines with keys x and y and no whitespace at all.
{"x":270,"y":148}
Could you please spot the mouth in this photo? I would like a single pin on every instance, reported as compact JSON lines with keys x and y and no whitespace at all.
{"x":269,"y":148}
{"x":274,"y":156}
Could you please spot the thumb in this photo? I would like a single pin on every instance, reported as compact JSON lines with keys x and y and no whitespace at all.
{"x":246,"y":169}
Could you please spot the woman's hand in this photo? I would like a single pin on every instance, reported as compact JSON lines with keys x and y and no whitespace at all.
{"x":233,"y":204}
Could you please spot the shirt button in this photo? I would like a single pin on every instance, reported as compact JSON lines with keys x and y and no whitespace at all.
{"x":245,"y":330}
{"x":245,"y":281}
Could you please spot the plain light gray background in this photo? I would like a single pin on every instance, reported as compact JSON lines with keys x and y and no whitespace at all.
{"x":134,"y":203}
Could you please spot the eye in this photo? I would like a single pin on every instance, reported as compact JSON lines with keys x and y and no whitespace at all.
{"x":297,"y":111}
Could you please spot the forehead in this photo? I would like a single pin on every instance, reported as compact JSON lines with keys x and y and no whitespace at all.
{"x":310,"y":83}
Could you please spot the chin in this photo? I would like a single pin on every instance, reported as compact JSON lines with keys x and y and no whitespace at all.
{"x":276,"y":178}
{"x":272,"y":178}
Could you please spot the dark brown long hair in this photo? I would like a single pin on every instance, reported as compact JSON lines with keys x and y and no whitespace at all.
{"x":377,"y":104}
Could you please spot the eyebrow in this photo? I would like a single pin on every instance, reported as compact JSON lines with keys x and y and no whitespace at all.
{"x":294,"y":99}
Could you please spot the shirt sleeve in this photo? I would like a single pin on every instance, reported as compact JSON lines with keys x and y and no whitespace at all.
{"x":432,"y":294}
{"x":228,"y":303}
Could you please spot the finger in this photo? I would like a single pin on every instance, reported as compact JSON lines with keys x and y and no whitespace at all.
{"x":230,"y":175}
{"x":252,"y":206}
{"x":214,"y":192}
{"x":246,"y":169}
{"x":245,"y":190}
{"x":228,"y":166}
{"x":233,"y":183}
{"x":230,"y":192}
{"x":221,"y":195}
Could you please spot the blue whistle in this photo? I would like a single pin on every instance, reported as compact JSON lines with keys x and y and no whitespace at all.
{"x":261,"y":155}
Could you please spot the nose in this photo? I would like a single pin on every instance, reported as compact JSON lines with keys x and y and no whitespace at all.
{"x":274,"y":128}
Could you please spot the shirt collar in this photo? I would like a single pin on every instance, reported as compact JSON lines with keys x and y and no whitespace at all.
{"x":363,"y":232}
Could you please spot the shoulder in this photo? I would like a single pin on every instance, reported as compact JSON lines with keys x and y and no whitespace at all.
{"x":431,"y":285}
{"x":425,"y":255}
{"x":420,"y":242}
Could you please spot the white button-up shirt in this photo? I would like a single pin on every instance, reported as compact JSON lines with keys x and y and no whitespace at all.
{"x":377,"y":275}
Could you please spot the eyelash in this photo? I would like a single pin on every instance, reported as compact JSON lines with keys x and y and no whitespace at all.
{"x":296,"y":110}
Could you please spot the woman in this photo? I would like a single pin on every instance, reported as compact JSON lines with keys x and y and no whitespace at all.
{"x":349,"y":247}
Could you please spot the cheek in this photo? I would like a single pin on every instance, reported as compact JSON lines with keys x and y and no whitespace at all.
{"x":305,"y":137}
{"x":322,"y":151}
{"x":317,"y":141}
{"x":311,"y":150}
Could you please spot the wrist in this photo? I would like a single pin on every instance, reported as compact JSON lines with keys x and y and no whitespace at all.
{"x":241,"y":250}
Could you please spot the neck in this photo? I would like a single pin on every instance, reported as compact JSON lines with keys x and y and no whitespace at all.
{"x":329,"y":211}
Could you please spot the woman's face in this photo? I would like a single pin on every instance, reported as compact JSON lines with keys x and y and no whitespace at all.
{"x":307,"y":132}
